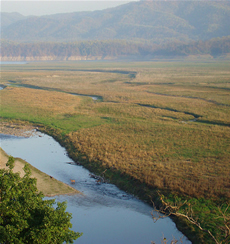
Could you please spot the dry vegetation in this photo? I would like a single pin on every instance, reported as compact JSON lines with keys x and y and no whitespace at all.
{"x":143,"y":124}
{"x":166,"y":157}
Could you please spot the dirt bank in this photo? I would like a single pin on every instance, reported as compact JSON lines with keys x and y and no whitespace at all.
{"x":45,"y":183}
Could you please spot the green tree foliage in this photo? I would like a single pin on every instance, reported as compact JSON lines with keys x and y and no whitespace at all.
{"x":25,"y":217}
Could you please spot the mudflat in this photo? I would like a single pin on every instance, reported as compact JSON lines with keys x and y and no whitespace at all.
{"x":17,"y":129}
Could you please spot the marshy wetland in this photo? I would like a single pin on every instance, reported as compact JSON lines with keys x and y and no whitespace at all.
{"x":154,"y":125}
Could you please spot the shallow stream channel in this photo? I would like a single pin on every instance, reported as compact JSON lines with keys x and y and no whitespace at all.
{"x":104,"y":213}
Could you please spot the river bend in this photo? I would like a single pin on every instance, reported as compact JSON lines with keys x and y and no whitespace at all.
{"x":105,"y":214}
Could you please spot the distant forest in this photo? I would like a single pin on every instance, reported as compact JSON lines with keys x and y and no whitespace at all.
{"x":113,"y":49}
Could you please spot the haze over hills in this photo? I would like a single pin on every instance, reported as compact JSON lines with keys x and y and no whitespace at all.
{"x":158,"y":21}
{"x":136,"y":28}
{"x":9,"y":18}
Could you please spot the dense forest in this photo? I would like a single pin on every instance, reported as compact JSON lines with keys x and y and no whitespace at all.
{"x":217,"y":47}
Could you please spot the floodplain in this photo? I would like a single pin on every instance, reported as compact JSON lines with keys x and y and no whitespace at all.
{"x":147,"y":126}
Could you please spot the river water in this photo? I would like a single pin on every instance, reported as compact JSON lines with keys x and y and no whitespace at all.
{"x":105,"y":214}
{"x":12,"y":62}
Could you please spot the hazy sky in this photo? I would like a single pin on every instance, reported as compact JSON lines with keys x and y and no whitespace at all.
{"x":35,"y":7}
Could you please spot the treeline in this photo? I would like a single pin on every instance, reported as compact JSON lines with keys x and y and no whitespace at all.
{"x":214,"y":47}
{"x":84,"y":48}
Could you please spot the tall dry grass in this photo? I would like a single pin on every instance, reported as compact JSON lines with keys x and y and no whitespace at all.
{"x":143,"y":126}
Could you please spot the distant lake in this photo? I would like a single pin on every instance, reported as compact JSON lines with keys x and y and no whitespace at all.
{"x":13,"y":62}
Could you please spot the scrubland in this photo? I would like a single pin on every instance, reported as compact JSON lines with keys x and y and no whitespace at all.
{"x":162,"y":126}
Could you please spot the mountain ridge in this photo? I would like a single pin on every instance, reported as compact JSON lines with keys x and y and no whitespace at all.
{"x":155,"y":21}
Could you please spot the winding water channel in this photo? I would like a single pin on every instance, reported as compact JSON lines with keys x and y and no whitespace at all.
{"x":105,"y":214}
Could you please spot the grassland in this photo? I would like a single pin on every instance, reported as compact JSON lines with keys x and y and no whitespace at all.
{"x":154,"y":126}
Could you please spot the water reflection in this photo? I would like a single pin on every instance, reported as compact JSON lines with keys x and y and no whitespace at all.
{"x":105,"y":214}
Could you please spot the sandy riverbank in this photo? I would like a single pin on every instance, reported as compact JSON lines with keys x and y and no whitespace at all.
{"x":49,"y":186}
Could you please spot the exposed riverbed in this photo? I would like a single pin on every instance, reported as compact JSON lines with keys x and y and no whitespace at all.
{"x":105,"y":214}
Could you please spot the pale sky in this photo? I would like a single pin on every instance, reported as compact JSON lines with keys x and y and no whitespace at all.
{"x":35,"y":7}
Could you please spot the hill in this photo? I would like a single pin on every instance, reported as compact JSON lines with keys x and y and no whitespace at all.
{"x":9,"y":18}
{"x":155,"y":21}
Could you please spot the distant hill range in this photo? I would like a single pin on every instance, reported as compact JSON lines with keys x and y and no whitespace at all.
{"x":144,"y":23}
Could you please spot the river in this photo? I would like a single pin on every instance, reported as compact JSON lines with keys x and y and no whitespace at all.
{"x":12,"y":62}
{"x":105,"y":214}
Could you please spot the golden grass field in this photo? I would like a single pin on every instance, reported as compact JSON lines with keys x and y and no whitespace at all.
{"x":143,"y":125}
{"x":162,"y":125}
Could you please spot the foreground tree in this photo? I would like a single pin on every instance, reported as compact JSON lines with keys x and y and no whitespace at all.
{"x":25,"y":217}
